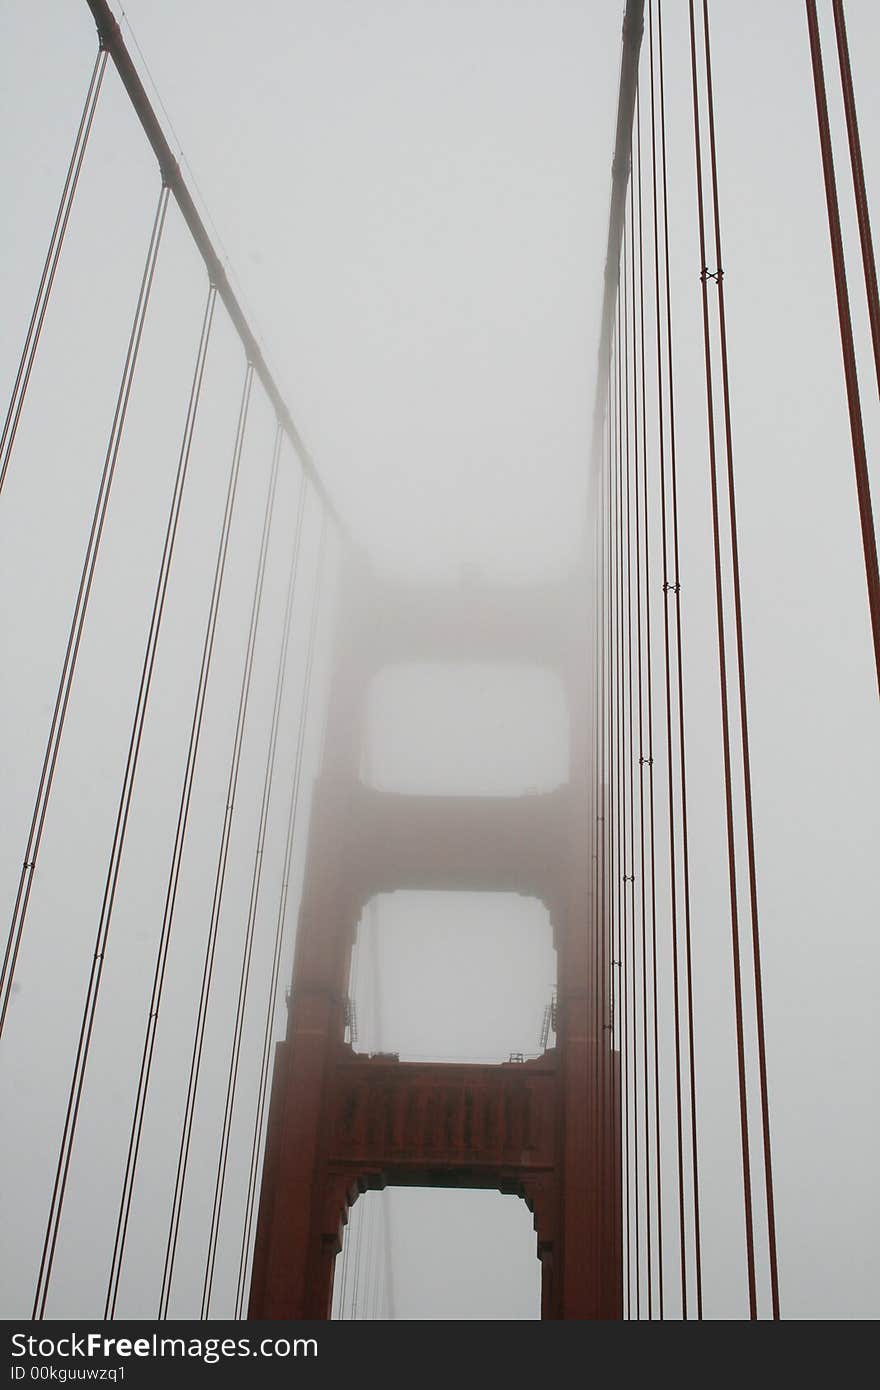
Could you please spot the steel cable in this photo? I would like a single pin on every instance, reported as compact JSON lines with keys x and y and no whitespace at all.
{"x":741,"y":675}
{"x":232,"y":1079}
{"x":271,"y":760}
{"x":725,"y":714}
{"x":56,"y":1202}
{"x":164,"y":942}
{"x":47,"y":279}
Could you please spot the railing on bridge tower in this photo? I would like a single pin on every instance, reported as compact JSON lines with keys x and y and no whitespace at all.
{"x":582,"y":1132}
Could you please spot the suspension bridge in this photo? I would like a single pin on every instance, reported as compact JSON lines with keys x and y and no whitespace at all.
{"x":214,"y":1034}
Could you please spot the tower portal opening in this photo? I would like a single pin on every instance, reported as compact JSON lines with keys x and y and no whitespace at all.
{"x":438,"y":1253}
{"x":443,"y":977}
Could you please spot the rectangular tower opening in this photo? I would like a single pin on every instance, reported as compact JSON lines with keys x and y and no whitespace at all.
{"x":453,"y":977}
{"x":438,"y":1253}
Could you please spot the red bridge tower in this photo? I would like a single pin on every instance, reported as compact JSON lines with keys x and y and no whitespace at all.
{"x":340,"y":1123}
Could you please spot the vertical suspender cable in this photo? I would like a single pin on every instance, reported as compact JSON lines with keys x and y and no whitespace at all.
{"x":650,"y":696}
{"x":645,"y":761}
{"x":49,"y":763}
{"x":593,"y":809}
{"x":616,"y":839}
{"x":207,"y":654}
{"x":850,"y":369}
{"x":237,"y":1032}
{"x":47,"y":279}
{"x":668,"y":588}
{"x":168,"y":922}
{"x":741,"y":676}
{"x":869,"y":264}
{"x":725,"y":714}
{"x":651,"y":788}
{"x":632,"y":463}
{"x":637,"y":733}
{"x":626,"y":768}
{"x":607,"y":943}
{"x":271,"y":1003}
{"x":68,"y":669}
{"x":601,"y":803}
{"x":156,"y":621}
{"x":682,"y":761}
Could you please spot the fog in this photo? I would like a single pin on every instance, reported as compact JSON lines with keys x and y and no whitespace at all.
{"x":412,"y":201}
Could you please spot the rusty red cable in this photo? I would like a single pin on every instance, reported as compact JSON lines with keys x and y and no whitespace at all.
{"x":850,"y":369}
{"x":725,"y":714}
{"x":675,"y":593}
{"x":869,"y":264}
{"x":668,"y":588}
{"x":645,"y":715}
{"x":743,"y":708}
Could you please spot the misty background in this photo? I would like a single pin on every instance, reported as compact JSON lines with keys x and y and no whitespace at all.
{"x":412,"y":199}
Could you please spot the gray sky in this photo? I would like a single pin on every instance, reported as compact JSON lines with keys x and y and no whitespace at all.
{"x":413,"y":198}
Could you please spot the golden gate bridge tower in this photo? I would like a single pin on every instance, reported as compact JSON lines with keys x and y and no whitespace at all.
{"x":645,"y":857}
{"x":545,"y":1129}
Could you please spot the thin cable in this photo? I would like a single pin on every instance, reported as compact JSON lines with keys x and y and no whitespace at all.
{"x":651,"y":804}
{"x":642,"y":597}
{"x":850,"y":368}
{"x":617,"y":783}
{"x":625,"y":747}
{"x":869,"y":264}
{"x":631,"y":473}
{"x":675,"y":592}
{"x":725,"y":715}
{"x":237,"y":1032}
{"x":596,"y":818}
{"x":669,"y":587}
{"x":741,"y":677}
{"x":47,"y":279}
{"x":164,"y":942}
{"x":56,"y":1202}
{"x":68,"y":670}
{"x":207,"y":654}
{"x":598,"y":1107}
{"x":156,"y":623}
{"x":271,"y":1002}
